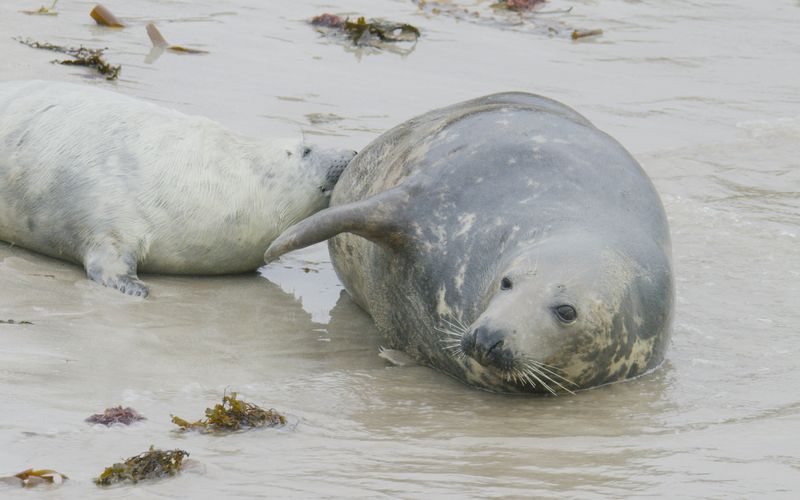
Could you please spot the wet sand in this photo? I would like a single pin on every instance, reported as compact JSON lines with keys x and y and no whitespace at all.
{"x":704,"y":95}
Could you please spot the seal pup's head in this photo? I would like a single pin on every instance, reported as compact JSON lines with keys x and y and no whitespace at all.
{"x":567,"y":314}
{"x":308,"y":174}
{"x":325,"y":165}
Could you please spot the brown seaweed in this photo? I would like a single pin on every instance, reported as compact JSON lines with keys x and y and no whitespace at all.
{"x":104,"y":17}
{"x":43,"y":11}
{"x":516,"y":15}
{"x":160,"y":42}
{"x":152,"y":464}
{"x":232,"y":415}
{"x":576,"y":34}
{"x":363,"y":32}
{"x":81,"y":56}
{"x":327,"y":21}
{"x":517,"y":5}
{"x":34,"y":477}
{"x":118,"y":415}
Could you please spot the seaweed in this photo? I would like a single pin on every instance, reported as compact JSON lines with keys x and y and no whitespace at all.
{"x":323,"y":118}
{"x":14,"y":322}
{"x":104,"y":17}
{"x":43,"y":11}
{"x":385,"y":31}
{"x":159,"y":42}
{"x":34,"y":477}
{"x":151,"y":464}
{"x":516,"y":15}
{"x":118,"y":415}
{"x":232,"y":415}
{"x":576,"y":34}
{"x":517,"y":5}
{"x":327,"y":21}
{"x":82,"y":56}
{"x":369,"y":33}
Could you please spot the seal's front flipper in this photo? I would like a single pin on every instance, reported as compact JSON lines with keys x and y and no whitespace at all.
{"x":111,"y":267}
{"x":378,"y":219}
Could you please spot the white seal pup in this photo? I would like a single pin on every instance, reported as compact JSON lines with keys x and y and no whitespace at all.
{"x":507,"y":242}
{"x":125,"y":186}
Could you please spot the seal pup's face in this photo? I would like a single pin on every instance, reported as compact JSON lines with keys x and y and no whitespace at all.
{"x":560,"y":318}
{"x":313,"y":173}
{"x":328,"y":164}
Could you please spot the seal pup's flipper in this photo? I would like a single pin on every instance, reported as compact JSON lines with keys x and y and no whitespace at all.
{"x":110,"y":266}
{"x":377,"y":219}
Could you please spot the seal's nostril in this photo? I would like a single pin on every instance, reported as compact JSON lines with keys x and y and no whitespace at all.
{"x":486,"y":346}
{"x":496,"y":345}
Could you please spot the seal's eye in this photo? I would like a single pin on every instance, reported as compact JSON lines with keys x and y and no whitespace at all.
{"x":306,"y":152}
{"x":566,"y":313}
{"x":505,"y":284}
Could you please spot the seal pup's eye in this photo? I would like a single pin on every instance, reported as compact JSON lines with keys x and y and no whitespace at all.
{"x":505,"y":284}
{"x":566,"y":313}
{"x":306,"y":152}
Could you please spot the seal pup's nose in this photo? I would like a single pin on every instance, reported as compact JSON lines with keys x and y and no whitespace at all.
{"x":487,"y":347}
{"x":335,"y":170}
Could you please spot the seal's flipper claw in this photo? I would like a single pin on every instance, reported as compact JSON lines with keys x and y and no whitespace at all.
{"x":377,"y":219}
{"x":395,"y":357}
{"x":110,"y":267}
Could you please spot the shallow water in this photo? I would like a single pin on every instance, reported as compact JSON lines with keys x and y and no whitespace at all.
{"x":704,"y":94}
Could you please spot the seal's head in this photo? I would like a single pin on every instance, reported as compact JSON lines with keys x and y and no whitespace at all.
{"x":308,"y":174}
{"x":567,"y":314}
{"x":323,"y":165}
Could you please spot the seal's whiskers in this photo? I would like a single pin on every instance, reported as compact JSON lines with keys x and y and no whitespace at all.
{"x":535,"y":375}
{"x":451,"y":342}
{"x":551,"y":370}
{"x":538,"y":371}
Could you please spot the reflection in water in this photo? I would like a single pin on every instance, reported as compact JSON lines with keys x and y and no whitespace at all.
{"x":154,"y":54}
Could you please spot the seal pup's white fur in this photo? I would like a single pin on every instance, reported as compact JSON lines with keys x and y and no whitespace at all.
{"x":121,"y":185}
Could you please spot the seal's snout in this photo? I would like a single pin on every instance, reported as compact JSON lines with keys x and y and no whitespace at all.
{"x":487,"y":347}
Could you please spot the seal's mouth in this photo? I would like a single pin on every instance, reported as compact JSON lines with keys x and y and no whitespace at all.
{"x":490,"y":349}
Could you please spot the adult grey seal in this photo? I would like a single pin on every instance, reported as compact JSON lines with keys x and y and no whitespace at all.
{"x":507,"y":242}
{"x":121,"y":185}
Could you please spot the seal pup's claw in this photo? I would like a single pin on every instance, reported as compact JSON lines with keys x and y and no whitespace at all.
{"x":110,"y":267}
{"x":128,"y":285}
